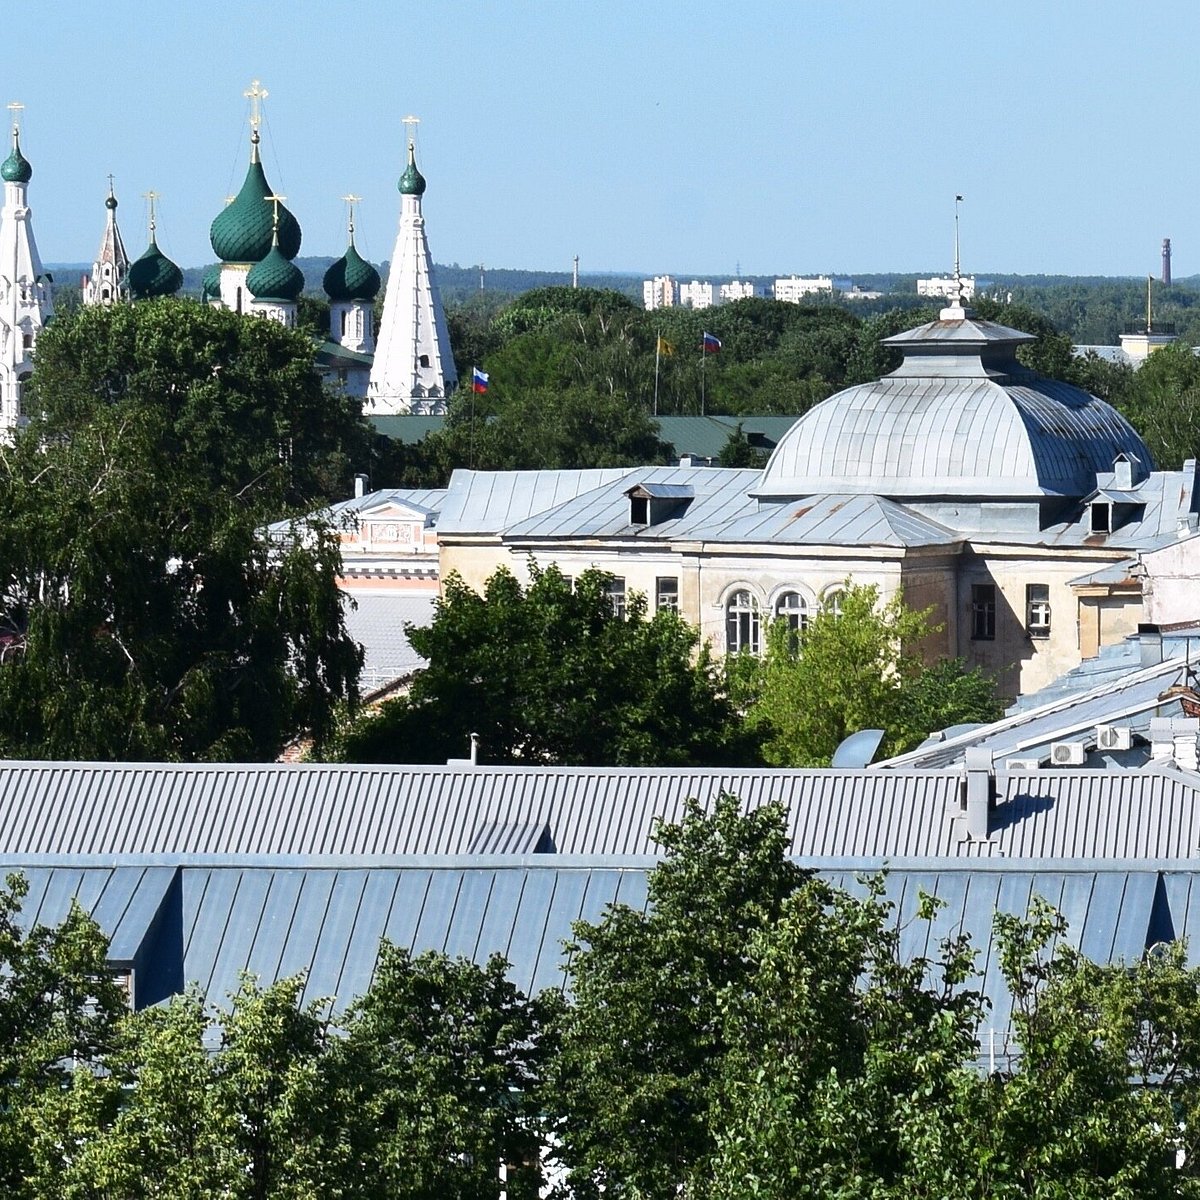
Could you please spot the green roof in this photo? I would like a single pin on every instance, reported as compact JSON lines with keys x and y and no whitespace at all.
{"x":275,"y":278}
{"x":241,"y":233}
{"x":211,"y":283}
{"x":16,"y":168}
{"x":352,"y":278}
{"x":412,"y":182}
{"x":154,"y":274}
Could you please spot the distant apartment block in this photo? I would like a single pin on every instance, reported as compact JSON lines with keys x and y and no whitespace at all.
{"x":947,"y":287}
{"x":660,"y":292}
{"x":696,"y":295}
{"x":793,"y":289}
{"x":737,"y":289}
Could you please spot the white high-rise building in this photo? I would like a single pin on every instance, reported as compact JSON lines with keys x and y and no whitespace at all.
{"x":660,"y":292}
{"x":697,"y":295}
{"x":793,"y":289}
{"x":26,"y":299}
{"x":413,"y":371}
{"x":737,"y":289}
{"x":107,"y":282}
{"x":948,"y":287}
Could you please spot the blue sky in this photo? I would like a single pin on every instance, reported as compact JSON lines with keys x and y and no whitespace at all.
{"x":660,"y":135}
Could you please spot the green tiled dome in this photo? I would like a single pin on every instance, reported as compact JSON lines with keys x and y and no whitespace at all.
{"x":412,"y":182}
{"x":241,"y":233}
{"x":211,"y":284}
{"x":352,"y":278}
{"x":16,"y":168}
{"x":154,"y":274}
{"x":275,"y":278}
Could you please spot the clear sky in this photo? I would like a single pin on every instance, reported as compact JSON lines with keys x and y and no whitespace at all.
{"x":643,"y":135}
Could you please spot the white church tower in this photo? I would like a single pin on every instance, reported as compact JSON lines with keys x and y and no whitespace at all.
{"x":26,"y":304}
{"x":107,"y":283}
{"x":413,"y":370}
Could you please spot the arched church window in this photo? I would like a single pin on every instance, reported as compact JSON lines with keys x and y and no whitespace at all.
{"x":743,"y":623}
{"x":793,"y":608}
{"x":831,"y":602}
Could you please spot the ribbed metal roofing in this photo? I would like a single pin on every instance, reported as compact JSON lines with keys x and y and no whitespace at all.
{"x":296,"y":812}
{"x":482,"y":502}
{"x":376,"y":620}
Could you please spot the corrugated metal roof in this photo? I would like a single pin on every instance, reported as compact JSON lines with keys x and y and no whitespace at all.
{"x":376,"y":621}
{"x":297,"y":812}
{"x":481,"y":502}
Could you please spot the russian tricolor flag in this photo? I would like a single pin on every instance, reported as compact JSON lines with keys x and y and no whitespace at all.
{"x":710,"y":344}
{"x":479,"y":381}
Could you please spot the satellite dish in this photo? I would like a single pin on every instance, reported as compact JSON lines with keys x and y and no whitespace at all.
{"x":857,"y":750}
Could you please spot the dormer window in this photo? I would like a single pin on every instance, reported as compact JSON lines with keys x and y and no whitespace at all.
{"x":1101,"y":514}
{"x":650,"y":503}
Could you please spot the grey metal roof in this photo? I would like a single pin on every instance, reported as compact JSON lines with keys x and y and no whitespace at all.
{"x":484,"y":502}
{"x":376,"y":621}
{"x":293,"y":813}
{"x":423,"y":500}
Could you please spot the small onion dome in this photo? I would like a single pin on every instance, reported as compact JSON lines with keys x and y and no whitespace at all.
{"x":211,"y":284}
{"x":242,"y":232}
{"x":412,"y":182}
{"x":16,"y":168}
{"x":275,"y":278}
{"x":111,"y":202}
{"x":351,"y":278}
{"x":154,"y":274}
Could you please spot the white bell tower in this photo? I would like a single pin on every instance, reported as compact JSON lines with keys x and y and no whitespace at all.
{"x":107,"y":282}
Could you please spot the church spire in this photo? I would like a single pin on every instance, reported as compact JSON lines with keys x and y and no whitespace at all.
{"x":107,"y":282}
{"x":26,"y":295}
{"x":413,"y":371}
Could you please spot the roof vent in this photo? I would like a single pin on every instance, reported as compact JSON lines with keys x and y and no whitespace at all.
{"x":978,"y":792}
{"x":1068,"y":754}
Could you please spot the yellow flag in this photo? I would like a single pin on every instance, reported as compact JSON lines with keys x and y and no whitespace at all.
{"x":665,"y":348}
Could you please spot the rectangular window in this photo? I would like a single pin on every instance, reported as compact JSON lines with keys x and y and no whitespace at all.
{"x":616,"y":593}
{"x":666,"y":593}
{"x":1037,"y":610}
{"x":1101,"y":517}
{"x":983,"y":612}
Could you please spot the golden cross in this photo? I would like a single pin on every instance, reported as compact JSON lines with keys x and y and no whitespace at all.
{"x":276,"y":201}
{"x":110,"y":183}
{"x":256,"y":95}
{"x":151,"y":196}
{"x":16,"y":108}
{"x":351,"y":200}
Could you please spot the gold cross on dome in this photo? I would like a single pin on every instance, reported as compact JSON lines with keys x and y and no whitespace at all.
{"x":256,"y":95}
{"x":276,"y":201}
{"x":16,"y":108}
{"x":151,"y":196}
{"x":351,"y":200}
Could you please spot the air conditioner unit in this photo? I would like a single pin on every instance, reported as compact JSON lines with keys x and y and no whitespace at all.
{"x":1068,"y":754}
{"x":1022,"y":764}
{"x":1114,"y":737}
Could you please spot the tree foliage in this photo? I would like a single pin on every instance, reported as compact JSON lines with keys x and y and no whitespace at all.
{"x":856,"y":668}
{"x":554,"y":673}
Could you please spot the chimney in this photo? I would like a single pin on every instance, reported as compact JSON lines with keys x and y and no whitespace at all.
{"x":1122,"y":473}
{"x":979,"y":792}
{"x":1166,"y":274}
{"x":1162,"y":739}
{"x":1184,"y":731}
{"x":361,"y":483}
{"x":1150,"y":643}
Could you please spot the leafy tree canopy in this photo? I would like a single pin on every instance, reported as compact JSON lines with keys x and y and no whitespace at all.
{"x":553,"y":673}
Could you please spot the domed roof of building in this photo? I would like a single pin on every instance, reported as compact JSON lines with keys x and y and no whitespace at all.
{"x":111,"y":201}
{"x":16,"y":167}
{"x":275,"y":278}
{"x":241,"y":232}
{"x":412,"y":182}
{"x":960,"y":417}
{"x":210,"y":283}
{"x":154,"y":274}
{"x":351,"y":277}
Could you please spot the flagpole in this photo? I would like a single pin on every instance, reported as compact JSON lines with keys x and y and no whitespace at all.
{"x":657,"y":353}
{"x":703,"y":361}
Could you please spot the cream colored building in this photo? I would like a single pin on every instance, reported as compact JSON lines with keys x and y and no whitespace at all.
{"x":1009,"y":504}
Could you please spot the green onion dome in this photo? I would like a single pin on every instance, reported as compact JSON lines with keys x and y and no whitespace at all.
{"x":154,"y":274}
{"x":111,"y":202}
{"x":352,"y":278}
{"x":275,"y":278}
{"x":16,"y":168}
{"x":210,"y":287}
{"x":412,"y":182}
{"x":241,"y":233}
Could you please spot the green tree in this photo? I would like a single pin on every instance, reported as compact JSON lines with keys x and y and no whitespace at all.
{"x":554,"y":673}
{"x":155,"y":618}
{"x":855,"y":669}
{"x":436,"y":1079}
{"x":1163,"y":403}
{"x":636,"y":1082}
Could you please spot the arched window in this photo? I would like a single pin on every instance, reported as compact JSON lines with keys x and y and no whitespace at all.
{"x":743,"y":625}
{"x":793,"y":608}
{"x":831,"y":602}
